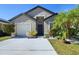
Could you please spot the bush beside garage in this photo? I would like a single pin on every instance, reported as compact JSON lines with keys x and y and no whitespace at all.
{"x":6,"y":28}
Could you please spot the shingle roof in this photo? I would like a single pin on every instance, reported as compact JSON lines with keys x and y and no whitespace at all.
{"x":34,"y":9}
{"x":3,"y":20}
{"x":41,"y":8}
{"x":19,"y":16}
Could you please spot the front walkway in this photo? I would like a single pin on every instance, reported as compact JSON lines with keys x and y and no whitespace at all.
{"x":25,"y":46}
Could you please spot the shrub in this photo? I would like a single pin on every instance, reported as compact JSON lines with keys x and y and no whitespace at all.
{"x":8,"y":28}
{"x":66,"y":25}
{"x":46,"y":36}
{"x":33,"y":33}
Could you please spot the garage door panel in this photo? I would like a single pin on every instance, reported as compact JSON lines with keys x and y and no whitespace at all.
{"x":23,"y":29}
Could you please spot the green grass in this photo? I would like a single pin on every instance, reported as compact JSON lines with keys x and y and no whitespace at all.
{"x":65,"y":49}
{"x":4,"y":38}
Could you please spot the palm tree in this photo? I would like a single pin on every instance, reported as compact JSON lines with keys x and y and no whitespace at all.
{"x":66,"y":24}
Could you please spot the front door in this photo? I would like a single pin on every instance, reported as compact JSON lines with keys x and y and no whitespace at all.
{"x":40,"y":25}
{"x":40,"y":29}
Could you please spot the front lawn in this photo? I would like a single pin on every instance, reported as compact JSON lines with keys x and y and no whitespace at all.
{"x":65,"y":49}
{"x":4,"y":38}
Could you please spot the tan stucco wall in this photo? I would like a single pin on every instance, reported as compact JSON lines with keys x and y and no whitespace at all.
{"x":47,"y":25}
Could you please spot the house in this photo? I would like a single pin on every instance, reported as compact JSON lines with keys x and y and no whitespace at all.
{"x":3,"y":21}
{"x":38,"y":19}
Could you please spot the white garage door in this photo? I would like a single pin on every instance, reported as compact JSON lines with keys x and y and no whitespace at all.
{"x":23,"y":28}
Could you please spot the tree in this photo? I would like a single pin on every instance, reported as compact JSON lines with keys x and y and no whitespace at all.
{"x":66,"y":24}
{"x":8,"y":28}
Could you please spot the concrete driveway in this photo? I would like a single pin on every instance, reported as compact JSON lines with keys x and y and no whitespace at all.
{"x":25,"y":46}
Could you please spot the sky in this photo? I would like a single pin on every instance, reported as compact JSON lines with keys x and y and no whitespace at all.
{"x":7,"y":11}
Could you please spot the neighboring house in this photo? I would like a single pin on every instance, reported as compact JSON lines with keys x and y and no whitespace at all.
{"x":38,"y":19}
{"x":2,"y":21}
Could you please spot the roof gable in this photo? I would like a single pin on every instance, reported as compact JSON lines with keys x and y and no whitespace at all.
{"x":26,"y":13}
{"x":41,"y":8}
{"x":39,"y":11}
